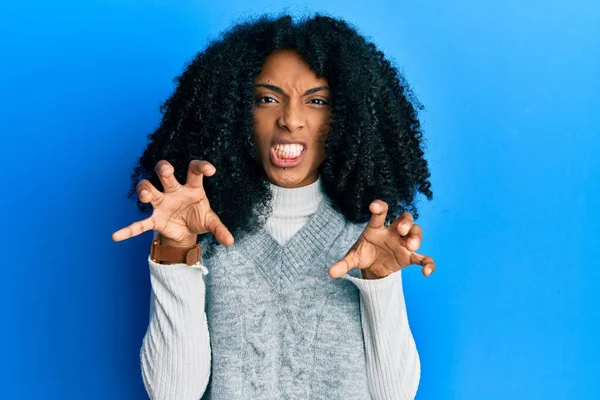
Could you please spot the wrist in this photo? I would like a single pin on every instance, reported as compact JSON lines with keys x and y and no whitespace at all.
{"x":366,"y":274}
{"x":164,"y":250}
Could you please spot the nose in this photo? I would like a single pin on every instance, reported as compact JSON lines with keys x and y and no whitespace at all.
{"x":292,"y":117}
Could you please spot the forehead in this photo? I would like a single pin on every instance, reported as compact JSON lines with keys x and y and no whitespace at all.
{"x":288,"y":67}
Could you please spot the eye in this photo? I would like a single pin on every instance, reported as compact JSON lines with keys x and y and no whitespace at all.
{"x":322,"y":102}
{"x":266,"y":99}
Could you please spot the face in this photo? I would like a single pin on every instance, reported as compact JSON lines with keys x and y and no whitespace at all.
{"x":291,"y":119}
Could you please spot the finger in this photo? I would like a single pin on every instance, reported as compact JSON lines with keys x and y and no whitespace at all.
{"x":165,"y":172}
{"x":342,"y":267}
{"x":214,"y":225}
{"x":197,"y":170}
{"x":403,"y":223}
{"x":379,"y":208}
{"x":134,"y":229}
{"x":147,"y":192}
{"x":425,"y":261}
{"x":413,"y":240}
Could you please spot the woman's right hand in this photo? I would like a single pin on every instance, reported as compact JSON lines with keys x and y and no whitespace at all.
{"x":181,"y":212}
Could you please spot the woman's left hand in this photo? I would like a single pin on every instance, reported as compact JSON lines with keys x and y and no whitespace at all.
{"x":381,"y":250}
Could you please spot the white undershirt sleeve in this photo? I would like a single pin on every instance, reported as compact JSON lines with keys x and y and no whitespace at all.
{"x":175,"y":354}
{"x":393,"y":365}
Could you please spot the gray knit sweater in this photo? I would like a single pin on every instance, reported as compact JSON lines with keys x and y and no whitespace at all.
{"x":273,"y":325}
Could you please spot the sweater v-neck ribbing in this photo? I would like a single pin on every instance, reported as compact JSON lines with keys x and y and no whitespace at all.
{"x":299,"y":252}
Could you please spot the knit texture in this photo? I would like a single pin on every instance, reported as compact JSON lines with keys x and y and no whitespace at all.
{"x":279,"y":326}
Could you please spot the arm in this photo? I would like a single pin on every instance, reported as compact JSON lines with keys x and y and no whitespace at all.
{"x":175,"y":354}
{"x":393,"y":366}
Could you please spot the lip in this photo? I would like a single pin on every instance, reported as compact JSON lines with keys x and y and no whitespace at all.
{"x":287,"y":163}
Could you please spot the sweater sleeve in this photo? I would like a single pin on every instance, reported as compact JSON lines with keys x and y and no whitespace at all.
{"x":175,"y":354}
{"x":393,"y":365}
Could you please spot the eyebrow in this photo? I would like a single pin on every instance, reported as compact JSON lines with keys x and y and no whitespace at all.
{"x":280,"y":90}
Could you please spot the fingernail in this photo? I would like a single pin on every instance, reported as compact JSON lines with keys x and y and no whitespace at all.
{"x":164,"y":168}
{"x":143,"y":193}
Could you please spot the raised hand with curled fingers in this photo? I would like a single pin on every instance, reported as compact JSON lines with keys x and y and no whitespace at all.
{"x":181,"y":212}
{"x":382,"y":250}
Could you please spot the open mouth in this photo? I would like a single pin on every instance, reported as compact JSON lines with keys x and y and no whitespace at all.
{"x":287,"y":156}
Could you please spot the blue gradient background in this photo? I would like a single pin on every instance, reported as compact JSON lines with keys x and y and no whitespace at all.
{"x":512,"y":126}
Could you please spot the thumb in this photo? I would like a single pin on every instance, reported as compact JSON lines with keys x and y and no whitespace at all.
{"x":340,"y":268}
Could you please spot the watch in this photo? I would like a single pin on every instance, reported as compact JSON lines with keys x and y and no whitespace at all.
{"x":189,"y":255}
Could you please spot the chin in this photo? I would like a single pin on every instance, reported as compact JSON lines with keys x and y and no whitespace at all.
{"x":288,"y":178}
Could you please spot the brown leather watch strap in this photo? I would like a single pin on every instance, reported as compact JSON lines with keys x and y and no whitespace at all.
{"x":189,"y":255}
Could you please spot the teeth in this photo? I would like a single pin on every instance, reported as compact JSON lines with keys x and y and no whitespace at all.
{"x":289,"y":150}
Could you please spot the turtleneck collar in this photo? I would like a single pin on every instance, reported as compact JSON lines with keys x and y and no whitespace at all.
{"x":302,"y":201}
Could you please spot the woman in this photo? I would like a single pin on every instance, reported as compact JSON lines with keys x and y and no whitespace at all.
{"x":311,"y":149}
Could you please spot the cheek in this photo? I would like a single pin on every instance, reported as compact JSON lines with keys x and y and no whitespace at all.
{"x":262,"y":144}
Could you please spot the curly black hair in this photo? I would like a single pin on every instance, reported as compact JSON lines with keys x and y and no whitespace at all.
{"x":374,"y":149}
